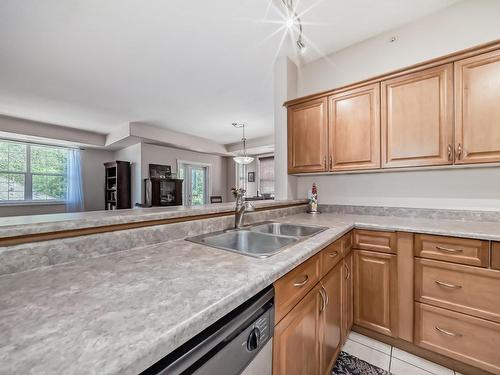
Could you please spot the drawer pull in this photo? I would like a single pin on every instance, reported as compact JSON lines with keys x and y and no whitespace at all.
{"x":447,"y":333}
{"x":348,"y":272}
{"x":334,"y":254}
{"x":448,"y":285}
{"x":323,"y":300}
{"x":300,"y":284}
{"x":326,"y":295}
{"x":447,"y":249}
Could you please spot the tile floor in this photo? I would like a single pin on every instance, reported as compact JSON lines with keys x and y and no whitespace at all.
{"x":391,"y":359}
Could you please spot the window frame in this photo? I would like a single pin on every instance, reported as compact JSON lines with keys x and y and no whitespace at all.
{"x":28,"y":178}
{"x":259,"y":189}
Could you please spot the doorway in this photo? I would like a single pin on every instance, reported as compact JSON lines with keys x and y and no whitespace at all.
{"x":196,"y":183}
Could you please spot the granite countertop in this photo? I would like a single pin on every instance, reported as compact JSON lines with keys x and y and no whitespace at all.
{"x":25,"y":225}
{"x":120,"y":313}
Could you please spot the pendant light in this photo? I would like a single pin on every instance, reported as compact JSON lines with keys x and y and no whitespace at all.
{"x":243,"y":159}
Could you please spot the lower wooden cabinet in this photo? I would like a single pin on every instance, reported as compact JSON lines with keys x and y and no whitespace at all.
{"x":347,"y":294}
{"x":375,"y":291}
{"x":331,"y":319}
{"x":462,"y":337}
{"x":296,"y":346}
{"x":310,"y":332}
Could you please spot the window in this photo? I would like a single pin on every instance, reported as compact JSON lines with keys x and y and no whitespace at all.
{"x":266,"y":175}
{"x":30,"y":172}
{"x":241,"y":176}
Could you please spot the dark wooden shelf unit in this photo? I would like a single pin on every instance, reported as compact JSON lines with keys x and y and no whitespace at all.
{"x":117,"y":194}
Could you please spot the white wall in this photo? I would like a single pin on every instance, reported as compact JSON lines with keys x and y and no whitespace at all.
{"x":285,"y":88}
{"x":153,"y":154}
{"x":93,"y":174}
{"x":230,"y":178}
{"x":471,"y":188}
{"x":461,"y":26}
{"x":252,"y":186}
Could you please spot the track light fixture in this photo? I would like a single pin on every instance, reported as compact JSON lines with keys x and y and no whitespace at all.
{"x":294,"y":19}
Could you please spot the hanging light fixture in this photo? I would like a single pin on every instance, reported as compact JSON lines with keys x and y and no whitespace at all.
{"x":243,"y":159}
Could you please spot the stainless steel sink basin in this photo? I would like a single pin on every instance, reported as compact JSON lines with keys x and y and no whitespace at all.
{"x":284,"y":229}
{"x":245,"y":242}
{"x":260,"y":240}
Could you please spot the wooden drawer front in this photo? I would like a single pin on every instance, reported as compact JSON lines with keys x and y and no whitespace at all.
{"x":452,"y":249}
{"x":495,"y":255}
{"x":466,"y":289}
{"x":292,"y":287}
{"x":330,"y":256}
{"x":467,"y":339}
{"x":375,"y":241}
{"x":347,"y":242}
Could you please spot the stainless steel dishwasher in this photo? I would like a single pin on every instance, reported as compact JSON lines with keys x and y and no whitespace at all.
{"x":238,"y":343}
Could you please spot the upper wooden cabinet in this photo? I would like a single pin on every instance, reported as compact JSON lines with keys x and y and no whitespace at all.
{"x":477,"y":109}
{"x":417,"y":118}
{"x":442,"y":112}
{"x":354,"y":129}
{"x":308,"y":136}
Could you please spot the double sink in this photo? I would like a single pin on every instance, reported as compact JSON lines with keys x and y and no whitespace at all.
{"x":258,"y":240}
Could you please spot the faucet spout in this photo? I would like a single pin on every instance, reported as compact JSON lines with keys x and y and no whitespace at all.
{"x":241,"y":208}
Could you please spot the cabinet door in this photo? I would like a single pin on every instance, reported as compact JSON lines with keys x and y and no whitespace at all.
{"x":347,"y":295}
{"x":331,"y":319}
{"x":375,"y":291}
{"x":417,"y":118}
{"x":355,"y":129}
{"x":308,"y":137}
{"x":296,"y":338}
{"x":477,"y":109}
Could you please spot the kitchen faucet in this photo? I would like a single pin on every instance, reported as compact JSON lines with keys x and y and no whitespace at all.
{"x":241,"y":208}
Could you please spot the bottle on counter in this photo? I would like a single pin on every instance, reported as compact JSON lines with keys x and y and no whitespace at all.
{"x":313,"y":200}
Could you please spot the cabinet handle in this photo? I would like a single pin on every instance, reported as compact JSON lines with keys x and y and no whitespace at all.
{"x":459,"y":151}
{"x":450,"y":152}
{"x":447,"y":249}
{"x":334,"y":254}
{"x":323,"y":300}
{"x":300,"y":284}
{"x":325,"y":162}
{"x":326,"y":295}
{"x":348,"y":275}
{"x":331,"y":162}
{"x":448,"y":285}
{"x":447,"y":333}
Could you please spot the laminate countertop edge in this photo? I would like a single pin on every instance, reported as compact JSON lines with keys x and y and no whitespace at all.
{"x":120,"y":313}
{"x":98,"y":221}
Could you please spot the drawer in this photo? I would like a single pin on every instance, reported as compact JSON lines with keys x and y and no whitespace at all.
{"x":452,"y":249}
{"x":347,"y":242}
{"x":375,"y":241}
{"x":330,"y":256}
{"x":495,"y":255}
{"x":291,"y":288}
{"x":466,"y":289}
{"x":465,"y":338}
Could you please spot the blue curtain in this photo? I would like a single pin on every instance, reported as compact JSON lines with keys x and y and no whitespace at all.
{"x":74,"y":186}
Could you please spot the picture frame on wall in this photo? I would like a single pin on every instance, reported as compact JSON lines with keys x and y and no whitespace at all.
{"x":160,"y":171}
{"x":251,"y":176}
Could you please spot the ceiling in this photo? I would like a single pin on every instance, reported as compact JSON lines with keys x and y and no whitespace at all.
{"x":191,"y":66}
